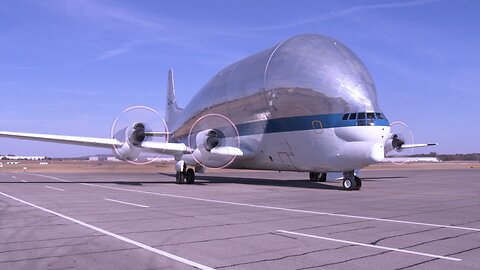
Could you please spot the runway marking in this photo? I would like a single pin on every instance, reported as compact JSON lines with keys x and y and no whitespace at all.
{"x":371,"y":246}
{"x":23,"y":181}
{"x":134,"y":204}
{"x":55,"y":188}
{"x":119,"y":237}
{"x":275,"y":208}
{"x":14,"y":177}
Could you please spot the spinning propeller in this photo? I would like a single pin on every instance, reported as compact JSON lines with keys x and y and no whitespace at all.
{"x":216,"y":141}
{"x":147,"y":126}
{"x":401,"y":140}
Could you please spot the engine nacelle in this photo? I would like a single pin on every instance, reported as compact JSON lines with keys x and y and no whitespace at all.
{"x":128,"y":151}
{"x":208,"y":139}
{"x":133,"y":137}
{"x":394,"y":143}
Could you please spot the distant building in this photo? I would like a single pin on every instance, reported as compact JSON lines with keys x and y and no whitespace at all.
{"x":23,"y":157}
{"x":94,"y":158}
{"x":112,"y":159}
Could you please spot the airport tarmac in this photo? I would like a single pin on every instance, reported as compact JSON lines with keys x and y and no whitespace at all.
{"x":401,"y":219}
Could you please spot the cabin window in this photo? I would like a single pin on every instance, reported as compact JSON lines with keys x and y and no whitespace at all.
{"x":353,"y":116}
{"x":361,"y":115}
{"x":370,"y":115}
{"x":379,"y":116}
{"x":345,"y":116}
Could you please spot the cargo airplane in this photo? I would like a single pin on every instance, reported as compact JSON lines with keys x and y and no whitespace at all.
{"x":307,"y":104}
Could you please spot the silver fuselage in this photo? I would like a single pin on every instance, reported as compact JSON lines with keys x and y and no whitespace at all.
{"x":287,"y":103}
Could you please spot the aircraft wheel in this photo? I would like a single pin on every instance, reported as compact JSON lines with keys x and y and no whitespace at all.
{"x":359,"y":182}
{"x":179,"y":178}
{"x":313,"y":176}
{"x":190,"y":176}
{"x":350,"y":183}
{"x":322,"y":177}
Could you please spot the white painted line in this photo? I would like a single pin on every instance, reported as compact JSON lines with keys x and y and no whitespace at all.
{"x":23,"y":181}
{"x":277,"y":208}
{"x":55,"y":188}
{"x":134,"y":204}
{"x":14,"y":177}
{"x":372,"y":246}
{"x":119,"y":237}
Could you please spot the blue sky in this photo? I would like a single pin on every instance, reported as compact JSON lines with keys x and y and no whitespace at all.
{"x":70,"y":67}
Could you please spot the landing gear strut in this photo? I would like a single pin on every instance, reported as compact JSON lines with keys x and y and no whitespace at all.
{"x":351,"y":181}
{"x":318,"y":177}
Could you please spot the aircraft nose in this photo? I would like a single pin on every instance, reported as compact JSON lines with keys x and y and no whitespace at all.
{"x":377,"y":153}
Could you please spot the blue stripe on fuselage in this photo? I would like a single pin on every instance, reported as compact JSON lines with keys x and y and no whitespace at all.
{"x":299,"y":123}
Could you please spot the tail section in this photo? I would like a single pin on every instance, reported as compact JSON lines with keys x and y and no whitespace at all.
{"x":172,"y":111}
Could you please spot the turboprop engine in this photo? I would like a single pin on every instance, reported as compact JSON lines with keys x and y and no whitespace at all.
{"x":135,"y":135}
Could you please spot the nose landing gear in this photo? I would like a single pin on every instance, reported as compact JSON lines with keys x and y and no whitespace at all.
{"x":351,"y":181}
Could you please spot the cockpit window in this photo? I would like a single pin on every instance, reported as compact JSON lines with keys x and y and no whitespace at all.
{"x":345,"y":116}
{"x":379,"y":116}
{"x":353,"y":116}
{"x":370,"y":115}
{"x":361,"y":115}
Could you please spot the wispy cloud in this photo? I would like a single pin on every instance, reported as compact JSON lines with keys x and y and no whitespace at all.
{"x":122,"y":49}
{"x":345,"y":12}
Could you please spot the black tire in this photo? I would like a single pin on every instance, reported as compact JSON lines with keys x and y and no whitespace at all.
{"x":190,"y":176}
{"x":359,"y":183}
{"x":312,"y":176}
{"x":322,"y":177}
{"x":350,"y":184}
{"x":179,"y":178}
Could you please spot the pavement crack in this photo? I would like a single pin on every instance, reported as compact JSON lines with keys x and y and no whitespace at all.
{"x":212,"y":240}
{"x":400,"y":235}
{"x":63,"y":255}
{"x":440,"y":239}
{"x":281,"y":258}
{"x":35,"y":248}
{"x":349,"y":260}
{"x":416,"y":264}
{"x":352,"y":230}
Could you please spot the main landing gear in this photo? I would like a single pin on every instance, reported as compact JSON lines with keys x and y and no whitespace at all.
{"x":351,"y":181}
{"x":183,"y":174}
{"x":188,"y":176}
{"x":318,"y":177}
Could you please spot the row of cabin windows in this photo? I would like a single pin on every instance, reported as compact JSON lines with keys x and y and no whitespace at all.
{"x":362,"y":115}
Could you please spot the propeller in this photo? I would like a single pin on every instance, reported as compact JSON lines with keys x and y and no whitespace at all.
{"x":215,"y":139}
{"x":400,"y":134}
{"x":134,"y":126}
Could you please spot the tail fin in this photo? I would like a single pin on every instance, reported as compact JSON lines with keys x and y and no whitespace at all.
{"x":172,"y":111}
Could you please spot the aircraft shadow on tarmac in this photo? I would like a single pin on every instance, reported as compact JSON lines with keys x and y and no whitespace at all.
{"x":298,"y":183}
{"x":210,"y":179}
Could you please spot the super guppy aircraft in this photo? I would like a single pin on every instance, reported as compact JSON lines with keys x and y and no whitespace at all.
{"x":308,"y":104}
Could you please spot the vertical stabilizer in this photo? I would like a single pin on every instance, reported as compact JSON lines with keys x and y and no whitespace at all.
{"x":172,"y":111}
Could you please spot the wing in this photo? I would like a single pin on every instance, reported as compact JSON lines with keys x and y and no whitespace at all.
{"x":406,"y":146}
{"x":76,"y":140}
{"x":156,"y":147}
